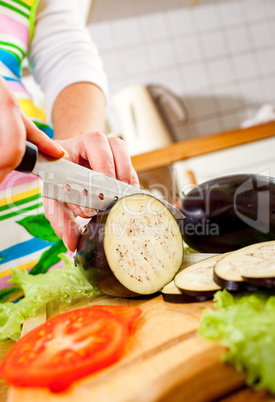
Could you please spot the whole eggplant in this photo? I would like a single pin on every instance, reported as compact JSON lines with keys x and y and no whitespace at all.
{"x":229,"y":212}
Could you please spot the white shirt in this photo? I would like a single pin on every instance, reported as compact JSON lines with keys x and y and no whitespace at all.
{"x":62,"y":52}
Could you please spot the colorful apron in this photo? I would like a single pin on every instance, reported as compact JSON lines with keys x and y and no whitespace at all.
{"x":24,"y":232}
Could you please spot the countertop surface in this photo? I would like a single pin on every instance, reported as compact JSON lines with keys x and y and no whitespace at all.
{"x":164,"y":360}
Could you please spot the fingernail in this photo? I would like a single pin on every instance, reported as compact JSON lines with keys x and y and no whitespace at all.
{"x":68,"y":248}
{"x":89,"y":212}
{"x":62,"y":149}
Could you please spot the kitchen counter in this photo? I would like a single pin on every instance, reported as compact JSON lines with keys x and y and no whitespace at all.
{"x":199,"y":146}
{"x":164,"y":360}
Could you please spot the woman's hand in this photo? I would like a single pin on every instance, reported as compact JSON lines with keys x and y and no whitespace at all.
{"x":97,"y":152}
{"x":15,"y":128}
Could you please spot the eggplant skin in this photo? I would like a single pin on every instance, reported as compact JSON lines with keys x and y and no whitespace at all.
{"x":91,"y":259}
{"x":183,"y":298}
{"x":229,"y":212}
{"x":234,"y":286}
{"x":264,"y":283}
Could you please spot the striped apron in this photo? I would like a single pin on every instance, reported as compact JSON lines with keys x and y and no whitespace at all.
{"x":24,"y":232}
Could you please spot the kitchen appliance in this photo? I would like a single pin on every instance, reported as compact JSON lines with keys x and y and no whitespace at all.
{"x":148,"y":115}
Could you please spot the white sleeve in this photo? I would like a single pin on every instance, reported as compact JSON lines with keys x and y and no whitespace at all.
{"x":62,"y":52}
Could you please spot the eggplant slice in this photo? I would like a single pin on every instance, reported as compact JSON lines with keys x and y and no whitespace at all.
{"x":133,"y":248}
{"x":262,"y":275}
{"x":248,"y":268}
{"x":172,"y":293}
{"x":197,"y":279}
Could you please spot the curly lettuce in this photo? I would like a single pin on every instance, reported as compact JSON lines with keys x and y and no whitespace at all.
{"x":245,"y":323}
{"x":58,"y":284}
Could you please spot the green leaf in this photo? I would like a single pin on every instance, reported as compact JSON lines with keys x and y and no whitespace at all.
{"x":62,"y":284}
{"x":48,"y":258}
{"x":11,"y":321}
{"x":245,"y":323}
{"x":39,"y":226}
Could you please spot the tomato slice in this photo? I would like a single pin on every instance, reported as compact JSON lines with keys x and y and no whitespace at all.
{"x":128,"y":314}
{"x":66,"y":348}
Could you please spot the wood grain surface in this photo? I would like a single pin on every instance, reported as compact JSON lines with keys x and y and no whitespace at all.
{"x":199,"y":146}
{"x":165,"y":360}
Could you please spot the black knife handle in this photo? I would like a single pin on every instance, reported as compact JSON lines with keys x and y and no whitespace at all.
{"x":29,"y":159}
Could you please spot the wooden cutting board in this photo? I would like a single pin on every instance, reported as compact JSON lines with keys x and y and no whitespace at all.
{"x":165,"y":359}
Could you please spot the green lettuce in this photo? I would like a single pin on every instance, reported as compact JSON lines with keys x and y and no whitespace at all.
{"x":245,"y":323}
{"x":58,"y":284}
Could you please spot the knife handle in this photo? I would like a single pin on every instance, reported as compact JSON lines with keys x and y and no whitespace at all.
{"x":29,"y":159}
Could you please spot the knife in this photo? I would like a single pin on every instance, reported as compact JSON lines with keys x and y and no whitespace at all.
{"x":74,"y":184}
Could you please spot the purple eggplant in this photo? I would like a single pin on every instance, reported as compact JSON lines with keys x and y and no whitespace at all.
{"x":172,"y":294}
{"x":133,"y":248}
{"x":229,"y":212}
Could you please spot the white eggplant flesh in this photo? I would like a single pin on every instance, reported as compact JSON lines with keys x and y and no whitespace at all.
{"x":197,"y":279}
{"x":247,"y":268}
{"x":172,"y":293}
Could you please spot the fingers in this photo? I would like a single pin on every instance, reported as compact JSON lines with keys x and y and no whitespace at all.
{"x":122,"y":161}
{"x":15,"y":128}
{"x":94,"y":148}
{"x":44,"y":143}
{"x":82,"y":211}
{"x":12,"y":131}
{"x":62,"y":220}
{"x":108,"y":156}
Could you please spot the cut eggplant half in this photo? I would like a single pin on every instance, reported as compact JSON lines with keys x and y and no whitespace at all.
{"x":230,"y":271}
{"x":134,"y":248}
{"x":172,"y":294}
{"x":197,"y":279}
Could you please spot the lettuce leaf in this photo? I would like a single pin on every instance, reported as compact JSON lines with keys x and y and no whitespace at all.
{"x":245,"y":323}
{"x":58,"y":284}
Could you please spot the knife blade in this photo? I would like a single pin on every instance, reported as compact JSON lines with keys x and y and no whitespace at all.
{"x":69,"y":182}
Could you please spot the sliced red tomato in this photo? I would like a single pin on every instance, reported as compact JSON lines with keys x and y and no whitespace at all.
{"x":66,"y":348}
{"x":128,"y":314}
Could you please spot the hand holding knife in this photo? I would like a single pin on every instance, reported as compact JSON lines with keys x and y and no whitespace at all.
{"x":69,"y":182}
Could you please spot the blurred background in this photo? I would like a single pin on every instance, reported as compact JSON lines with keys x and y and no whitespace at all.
{"x":218,"y":56}
{"x":209,"y":67}
{"x":186,"y":69}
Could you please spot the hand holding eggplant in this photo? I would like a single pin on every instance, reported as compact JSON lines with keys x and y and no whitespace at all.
{"x":97,"y":152}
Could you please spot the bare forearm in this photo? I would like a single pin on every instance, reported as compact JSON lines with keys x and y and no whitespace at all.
{"x":78,"y":109}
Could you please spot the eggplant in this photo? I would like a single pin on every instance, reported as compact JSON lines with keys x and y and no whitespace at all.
{"x":197,"y":279}
{"x":133,"y":248}
{"x":229,"y":213}
{"x":172,"y":294}
{"x":237,"y":270}
{"x":263,"y":275}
